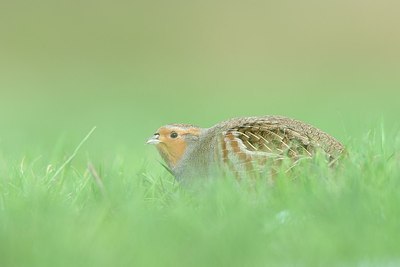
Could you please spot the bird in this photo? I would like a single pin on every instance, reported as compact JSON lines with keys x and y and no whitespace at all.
{"x":240,"y":145}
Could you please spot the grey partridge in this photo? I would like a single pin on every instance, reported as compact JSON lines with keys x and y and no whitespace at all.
{"x":241,"y":145}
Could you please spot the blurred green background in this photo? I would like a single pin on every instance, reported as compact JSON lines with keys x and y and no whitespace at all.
{"x":130,"y":66}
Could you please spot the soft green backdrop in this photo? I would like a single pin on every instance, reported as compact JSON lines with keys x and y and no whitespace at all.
{"x":129,"y":67}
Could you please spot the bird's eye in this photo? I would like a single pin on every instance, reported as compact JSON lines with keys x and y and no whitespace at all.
{"x":174,"y":135}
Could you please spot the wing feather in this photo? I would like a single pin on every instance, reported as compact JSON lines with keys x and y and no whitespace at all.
{"x":250,"y":143}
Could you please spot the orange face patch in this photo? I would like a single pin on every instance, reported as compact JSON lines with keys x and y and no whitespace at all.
{"x":172,"y":144}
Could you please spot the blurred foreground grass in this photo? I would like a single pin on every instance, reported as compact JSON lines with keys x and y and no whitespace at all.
{"x":138,"y":216}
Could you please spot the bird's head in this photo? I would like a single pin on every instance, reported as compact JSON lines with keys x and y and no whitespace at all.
{"x":173,"y":140}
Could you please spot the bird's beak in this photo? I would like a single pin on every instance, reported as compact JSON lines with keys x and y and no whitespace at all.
{"x":154,"y":140}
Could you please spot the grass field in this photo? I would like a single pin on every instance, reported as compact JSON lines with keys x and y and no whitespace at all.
{"x":53,"y":214}
{"x":75,"y":195}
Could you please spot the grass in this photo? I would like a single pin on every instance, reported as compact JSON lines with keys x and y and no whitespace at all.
{"x":79,"y":211}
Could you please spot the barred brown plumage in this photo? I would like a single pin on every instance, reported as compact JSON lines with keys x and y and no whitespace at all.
{"x":241,"y":145}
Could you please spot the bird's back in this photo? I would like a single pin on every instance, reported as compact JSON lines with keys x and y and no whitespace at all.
{"x":279,"y":128}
